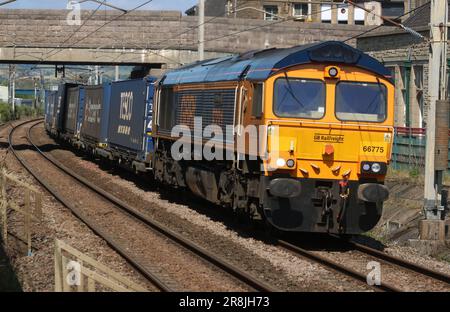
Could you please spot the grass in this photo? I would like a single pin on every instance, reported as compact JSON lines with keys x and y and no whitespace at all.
{"x":413,"y":176}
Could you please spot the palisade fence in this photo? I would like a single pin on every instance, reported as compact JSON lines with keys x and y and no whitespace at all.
{"x":409,"y":149}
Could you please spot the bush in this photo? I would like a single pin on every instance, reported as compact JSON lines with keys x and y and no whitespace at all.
{"x":22,"y":111}
{"x":414,"y":172}
{"x":5,"y":112}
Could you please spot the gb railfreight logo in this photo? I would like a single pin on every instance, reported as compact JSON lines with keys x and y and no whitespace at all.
{"x":329,"y":138}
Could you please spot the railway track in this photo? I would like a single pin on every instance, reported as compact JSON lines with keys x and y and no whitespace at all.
{"x":374,"y":255}
{"x":293,"y":248}
{"x":404,"y":264}
{"x":205,"y":255}
{"x":335,"y":266}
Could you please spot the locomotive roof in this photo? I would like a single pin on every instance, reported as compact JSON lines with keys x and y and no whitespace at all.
{"x":261,"y":64}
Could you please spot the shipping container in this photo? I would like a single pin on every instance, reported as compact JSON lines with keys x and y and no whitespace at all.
{"x":74,"y":111}
{"x":130,"y":119}
{"x":93,"y":130}
{"x":50,"y":102}
{"x":61,"y":107}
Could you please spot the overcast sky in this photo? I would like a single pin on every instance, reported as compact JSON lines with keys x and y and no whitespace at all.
{"x":180,"y":5}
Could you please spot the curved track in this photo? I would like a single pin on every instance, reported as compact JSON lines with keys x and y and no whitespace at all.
{"x":178,"y":239}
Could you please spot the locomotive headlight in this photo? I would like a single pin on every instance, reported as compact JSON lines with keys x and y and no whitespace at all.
{"x":290,"y":163}
{"x":376,"y":167}
{"x":333,"y":72}
{"x":281,"y":162}
{"x":366,"y":167}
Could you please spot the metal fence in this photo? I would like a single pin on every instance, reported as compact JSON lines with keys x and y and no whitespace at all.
{"x":409,"y":149}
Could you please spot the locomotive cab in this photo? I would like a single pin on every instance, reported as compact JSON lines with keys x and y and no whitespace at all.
{"x":335,"y":129}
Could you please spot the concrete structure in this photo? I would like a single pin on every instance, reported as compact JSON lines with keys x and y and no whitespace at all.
{"x":4,"y":94}
{"x":407,"y":57}
{"x":145,"y":37}
{"x":319,"y":11}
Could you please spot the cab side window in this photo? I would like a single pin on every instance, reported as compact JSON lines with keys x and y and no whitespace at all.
{"x":257,"y":100}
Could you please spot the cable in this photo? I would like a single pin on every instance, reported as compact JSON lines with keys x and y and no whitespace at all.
{"x":198,"y":26}
{"x":172,"y":38}
{"x":180,"y":34}
{"x":78,"y":29}
{"x":107,"y":23}
{"x":267,"y":25}
{"x":376,"y":27}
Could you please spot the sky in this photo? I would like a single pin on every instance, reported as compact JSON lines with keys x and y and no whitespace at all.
{"x":179,"y":5}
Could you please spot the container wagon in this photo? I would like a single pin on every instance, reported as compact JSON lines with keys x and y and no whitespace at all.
{"x":50,"y":102}
{"x":60,"y":108}
{"x":130,"y":139}
{"x":73,"y":114}
{"x":93,"y":129}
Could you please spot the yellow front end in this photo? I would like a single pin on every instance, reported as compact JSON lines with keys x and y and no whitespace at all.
{"x":324,"y":146}
{"x":330,"y":135}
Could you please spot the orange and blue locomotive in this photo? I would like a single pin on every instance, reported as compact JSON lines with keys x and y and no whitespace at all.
{"x":323,"y":114}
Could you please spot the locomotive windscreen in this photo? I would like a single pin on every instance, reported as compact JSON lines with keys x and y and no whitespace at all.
{"x":358,"y":101}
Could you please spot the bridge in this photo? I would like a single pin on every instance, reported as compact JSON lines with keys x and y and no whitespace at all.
{"x":159,"y":39}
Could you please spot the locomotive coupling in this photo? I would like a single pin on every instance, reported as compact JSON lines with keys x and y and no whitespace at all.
{"x":372,"y":192}
{"x":283,"y":187}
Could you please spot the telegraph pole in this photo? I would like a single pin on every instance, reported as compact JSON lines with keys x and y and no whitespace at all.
{"x":437,"y":91}
{"x":201,"y":30}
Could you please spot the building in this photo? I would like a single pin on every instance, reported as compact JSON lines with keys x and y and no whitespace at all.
{"x":4,"y":94}
{"x":407,"y":57}
{"x":319,"y":11}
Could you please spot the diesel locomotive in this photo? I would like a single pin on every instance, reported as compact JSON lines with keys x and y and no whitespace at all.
{"x":298,"y":137}
{"x":332,"y":109}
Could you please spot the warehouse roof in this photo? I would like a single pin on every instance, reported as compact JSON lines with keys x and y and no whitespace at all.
{"x":260,"y":65}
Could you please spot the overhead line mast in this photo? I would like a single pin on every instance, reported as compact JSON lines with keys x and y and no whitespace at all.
{"x":437,"y":92}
